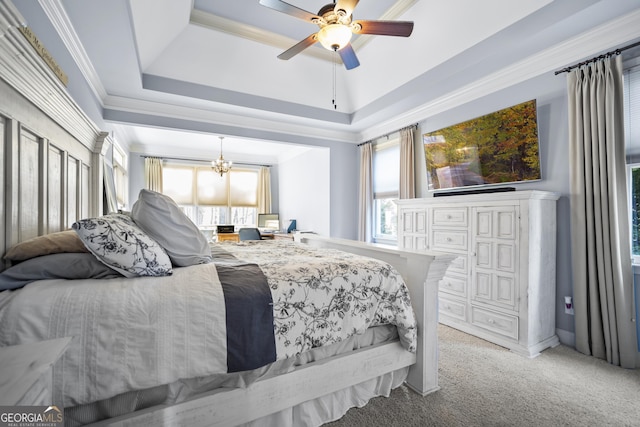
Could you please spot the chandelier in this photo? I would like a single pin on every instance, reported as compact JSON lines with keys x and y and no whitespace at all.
{"x":220,"y":165}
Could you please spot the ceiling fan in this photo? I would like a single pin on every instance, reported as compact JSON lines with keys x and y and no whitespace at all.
{"x":336,"y":28}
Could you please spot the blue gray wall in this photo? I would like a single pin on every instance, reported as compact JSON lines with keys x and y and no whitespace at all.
{"x":550,"y":92}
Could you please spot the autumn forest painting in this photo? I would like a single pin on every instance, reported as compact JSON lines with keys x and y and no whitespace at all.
{"x":501,"y":147}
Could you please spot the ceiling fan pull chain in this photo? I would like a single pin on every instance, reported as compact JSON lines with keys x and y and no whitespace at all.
{"x":333,"y":101}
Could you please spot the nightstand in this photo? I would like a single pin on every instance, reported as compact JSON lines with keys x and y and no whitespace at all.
{"x":26,"y":377}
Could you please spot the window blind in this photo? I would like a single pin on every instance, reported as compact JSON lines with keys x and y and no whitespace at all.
{"x":632,"y":109}
{"x":174,"y":179}
{"x":211,"y":188}
{"x":242,"y":188}
{"x":386,"y":170}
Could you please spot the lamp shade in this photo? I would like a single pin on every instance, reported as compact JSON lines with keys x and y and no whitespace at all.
{"x":334,"y":36}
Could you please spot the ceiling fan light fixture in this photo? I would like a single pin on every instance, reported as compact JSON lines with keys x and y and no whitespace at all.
{"x":334,"y":36}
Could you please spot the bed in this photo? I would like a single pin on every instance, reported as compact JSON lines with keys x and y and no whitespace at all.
{"x":190,"y":332}
{"x":53,"y":160}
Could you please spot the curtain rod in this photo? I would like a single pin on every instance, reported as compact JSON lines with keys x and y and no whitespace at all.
{"x":415,"y":125}
{"x":204,"y":161}
{"x":595,"y":58}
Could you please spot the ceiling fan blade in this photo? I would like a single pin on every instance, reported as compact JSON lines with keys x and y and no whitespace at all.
{"x":299,"y":47}
{"x":349,"y":57}
{"x":384,"y":28}
{"x":294,"y":11}
{"x":346,"y":5}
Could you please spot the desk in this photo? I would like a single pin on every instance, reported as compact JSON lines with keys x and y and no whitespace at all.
{"x":283,"y":236}
{"x":235,"y":237}
{"x":228,"y":237}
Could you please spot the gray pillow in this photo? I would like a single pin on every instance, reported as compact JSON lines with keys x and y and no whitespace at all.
{"x":55,"y":266}
{"x":116,"y":241}
{"x":162,"y":219}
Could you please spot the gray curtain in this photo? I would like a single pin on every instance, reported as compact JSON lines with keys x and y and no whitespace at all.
{"x":602,"y":271}
{"x":153,"y":174}
{"x":407,"y":185}
{"x":365,"y":194}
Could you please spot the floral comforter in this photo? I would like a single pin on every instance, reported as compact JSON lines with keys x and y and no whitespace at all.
{"x":322,"y":296}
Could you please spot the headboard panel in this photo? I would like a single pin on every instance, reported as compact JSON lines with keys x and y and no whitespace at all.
{"x":51,"y":153}
{"x":48,"y":179}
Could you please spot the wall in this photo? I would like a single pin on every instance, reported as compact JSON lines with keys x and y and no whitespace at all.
{"x":305,"y":191}
{"x":550,"y":92}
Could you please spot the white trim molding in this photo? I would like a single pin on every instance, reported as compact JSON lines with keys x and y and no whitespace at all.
{"x":602,"y":38}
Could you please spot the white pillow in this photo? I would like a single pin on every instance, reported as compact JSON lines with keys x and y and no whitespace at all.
{"x":118,"y":243}
{"x":161,"y":218}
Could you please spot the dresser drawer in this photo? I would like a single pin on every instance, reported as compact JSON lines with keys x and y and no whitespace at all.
{"x":452,"y":308}
{"x":447,"y":240}
{"x":499,"y":323}
{"x":449,"y":217}
{"x":453,"y":285}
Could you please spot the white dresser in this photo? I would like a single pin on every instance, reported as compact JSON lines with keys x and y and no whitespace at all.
{"x":501,"y":287}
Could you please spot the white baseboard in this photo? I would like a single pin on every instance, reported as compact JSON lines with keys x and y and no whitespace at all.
{"x":567,"y":338}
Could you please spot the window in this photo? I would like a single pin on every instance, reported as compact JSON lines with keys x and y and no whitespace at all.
{"x":632,"y":141}
{"x":386,"y":183}
{"x":120,"y":176}
{"x":209,"y":199}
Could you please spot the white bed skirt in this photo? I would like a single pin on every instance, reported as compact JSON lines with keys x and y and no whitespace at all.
{"x":333,"y":406}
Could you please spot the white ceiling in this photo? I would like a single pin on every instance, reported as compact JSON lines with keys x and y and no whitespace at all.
{"x":172,"y":75}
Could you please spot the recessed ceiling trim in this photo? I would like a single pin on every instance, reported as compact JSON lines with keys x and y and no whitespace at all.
{"x":249,"y":32}
{"x":127,"y":108}
{"x":215,"y":94}
{"x":601,"y":38}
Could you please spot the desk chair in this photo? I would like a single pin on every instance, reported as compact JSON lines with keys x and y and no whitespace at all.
{"x":249,"y":234}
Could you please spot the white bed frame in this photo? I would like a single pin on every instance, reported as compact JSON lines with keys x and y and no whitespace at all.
{"x":266,"y":396}
{"x":51,"y":167}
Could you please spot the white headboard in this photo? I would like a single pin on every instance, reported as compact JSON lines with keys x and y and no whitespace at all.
{"x":51,"y":153}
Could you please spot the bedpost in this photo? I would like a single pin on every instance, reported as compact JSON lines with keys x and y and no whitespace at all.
{"x":422,"y":280}
{"x":421,"y":271}
{"x":99,"y":152}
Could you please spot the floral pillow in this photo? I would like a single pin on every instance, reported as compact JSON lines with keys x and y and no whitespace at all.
{"x":118,"y":243}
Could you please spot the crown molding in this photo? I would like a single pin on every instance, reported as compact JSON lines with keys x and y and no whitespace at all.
{"x":23,"y":69}
{"x":62,"y":24}
{"x":257,"y":122}
{"x":602,"y":38}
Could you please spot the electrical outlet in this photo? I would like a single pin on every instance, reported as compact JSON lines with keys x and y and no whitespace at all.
{"x":568,"y":305}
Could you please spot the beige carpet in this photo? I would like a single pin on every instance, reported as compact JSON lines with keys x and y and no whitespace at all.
{"x":486,"y":385}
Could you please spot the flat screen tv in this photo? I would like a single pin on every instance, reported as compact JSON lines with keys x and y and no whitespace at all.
{"x":498,"y":148}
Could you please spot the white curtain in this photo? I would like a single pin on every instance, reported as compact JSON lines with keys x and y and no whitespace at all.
{"x":407,"y":185}
{"x":365,"y":194}
{"x":602,"y":272}
{"x":264,"y":190}
{"x":153,"y":174}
